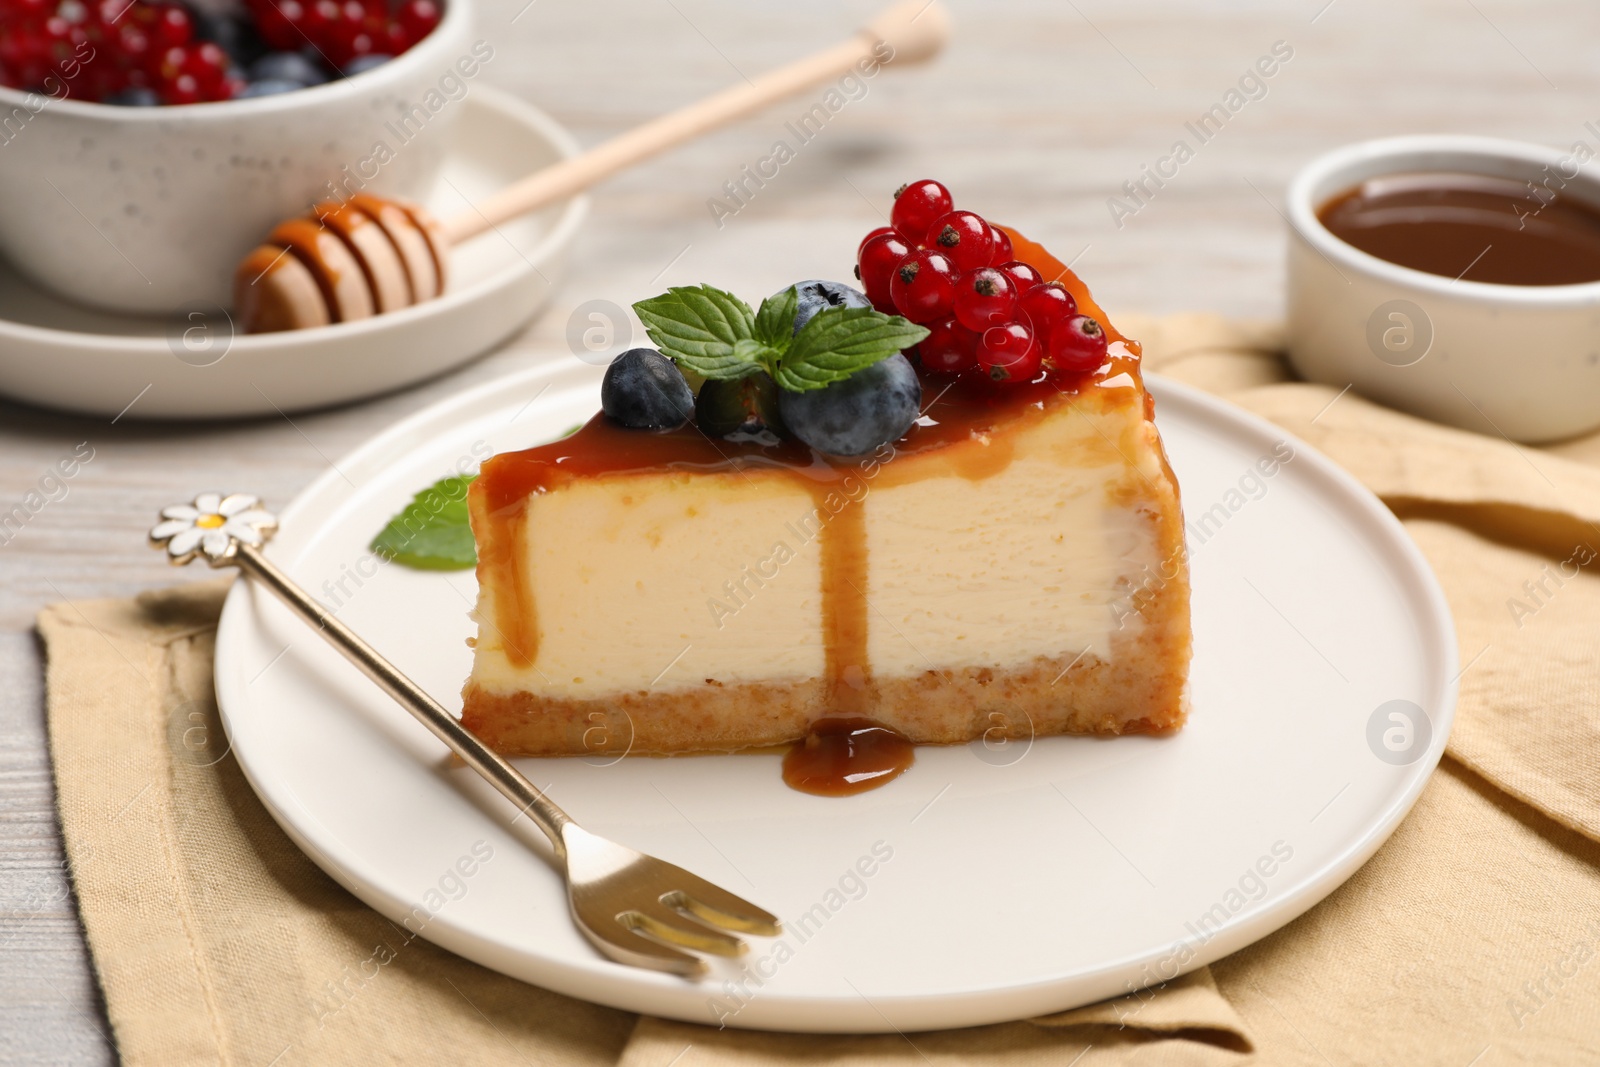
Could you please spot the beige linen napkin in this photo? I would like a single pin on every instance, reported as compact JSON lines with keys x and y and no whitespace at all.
{"x":1470,"y":939}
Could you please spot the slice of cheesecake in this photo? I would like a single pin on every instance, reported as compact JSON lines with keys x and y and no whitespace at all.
{"x":1013,"y":565}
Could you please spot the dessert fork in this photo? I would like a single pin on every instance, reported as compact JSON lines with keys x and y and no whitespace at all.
{"x":634,"y":908}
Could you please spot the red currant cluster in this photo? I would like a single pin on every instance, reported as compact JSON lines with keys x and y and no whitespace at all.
{"x":98,"y":49}
{"x":953,"y":272}
{"x":343,"y":30}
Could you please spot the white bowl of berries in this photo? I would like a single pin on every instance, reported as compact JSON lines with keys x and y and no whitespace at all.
{"x":146,"y":145}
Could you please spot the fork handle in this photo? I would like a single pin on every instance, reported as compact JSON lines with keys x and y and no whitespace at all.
{"x":463,"y":742}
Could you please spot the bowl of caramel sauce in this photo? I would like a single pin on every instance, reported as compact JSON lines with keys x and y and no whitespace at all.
{"x":1454,"y":277}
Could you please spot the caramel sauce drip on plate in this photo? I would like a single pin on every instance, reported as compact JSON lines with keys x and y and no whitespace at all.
{"x":843,"y":756}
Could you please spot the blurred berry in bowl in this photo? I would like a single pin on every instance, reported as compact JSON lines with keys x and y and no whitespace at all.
{"x":137,"y":53}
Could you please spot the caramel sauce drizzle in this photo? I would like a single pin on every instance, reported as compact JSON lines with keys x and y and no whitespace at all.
{"x":847,"y":672}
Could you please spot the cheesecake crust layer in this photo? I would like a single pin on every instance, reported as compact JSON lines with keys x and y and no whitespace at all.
{"x":1142,"y":692}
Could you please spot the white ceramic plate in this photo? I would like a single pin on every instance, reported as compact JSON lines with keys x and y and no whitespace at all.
{"x":62,"y":355}
{"x":1003,"y":882}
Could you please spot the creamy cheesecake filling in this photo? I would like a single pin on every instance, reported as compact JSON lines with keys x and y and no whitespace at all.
{"x":1025,"y":564}
{"x":971,"y":559}
{"x":640,"y":588}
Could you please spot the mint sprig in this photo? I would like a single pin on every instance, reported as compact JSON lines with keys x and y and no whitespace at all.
{"x":716,"y":335}
{"x":431,"y":533}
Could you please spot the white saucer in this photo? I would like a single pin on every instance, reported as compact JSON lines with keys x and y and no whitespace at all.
{"x":984,"y":884}
{"x":61,"y":355}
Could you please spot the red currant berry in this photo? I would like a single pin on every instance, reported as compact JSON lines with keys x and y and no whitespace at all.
{"x":77,"y":37}
{"x":172,"y":27}
{"x":1009,"y":353}
{"x":923,"y":287}
{"x":1002,"y":245}
{"x":395,"y":39}
{"x":134,"y":47}
{"x":1046,"y":305}
{"x":317,"y":24}
{"x":342,"y":30}
{"x":101,"y":80}
{"x":169,"y":64}
{"x":877,"y":261}
{"x":917,"y":205}
{"x":280,"y":24}
{"x":181,"y":90}
{"x":418,"y":17}
{"x":53,"y":40}
{"x":879,"y":232}
{"x":1078,"y":345}
{"x":985,"y":298}
{"x":208,"y":64}
{"x":109,"y":13}
{"x":949,"y":347}
{"x":1025,"y":276}
{"x":964,"y":237}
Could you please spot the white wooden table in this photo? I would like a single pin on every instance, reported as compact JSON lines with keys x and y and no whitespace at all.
{"x":1037,"y":116}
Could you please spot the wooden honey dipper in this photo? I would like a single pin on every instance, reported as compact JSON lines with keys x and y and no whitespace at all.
{"x":368,"y":255}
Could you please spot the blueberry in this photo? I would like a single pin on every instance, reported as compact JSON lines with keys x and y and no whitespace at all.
{"x":817,"y":295}
{"x":362,"y":64}
{"x":233,"y":34}
{"x":741,"y":407}
{"x":644,"y":390}
{"x":135,"y":97}
{"x":287,"y":67}
{"x":267,"y":87}
{"x":855,"y":416}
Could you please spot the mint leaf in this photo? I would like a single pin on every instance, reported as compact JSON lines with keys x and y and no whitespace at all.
{"x":837,"y":342}
{"x":760,"y":356}
{"x":775,"y":320}
{"x":431,"y":533}
{"x":699,"y":327}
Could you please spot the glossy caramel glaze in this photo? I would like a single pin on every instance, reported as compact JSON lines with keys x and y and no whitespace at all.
{"x":956,"y":410}
{"x":843,"y":756}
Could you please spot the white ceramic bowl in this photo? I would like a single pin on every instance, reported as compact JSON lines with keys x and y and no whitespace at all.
{"x":1522,"y":361}
{"x":149,"y":210}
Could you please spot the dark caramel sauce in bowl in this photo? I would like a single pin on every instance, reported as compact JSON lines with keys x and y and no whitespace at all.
{"x":1470,"y":227}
